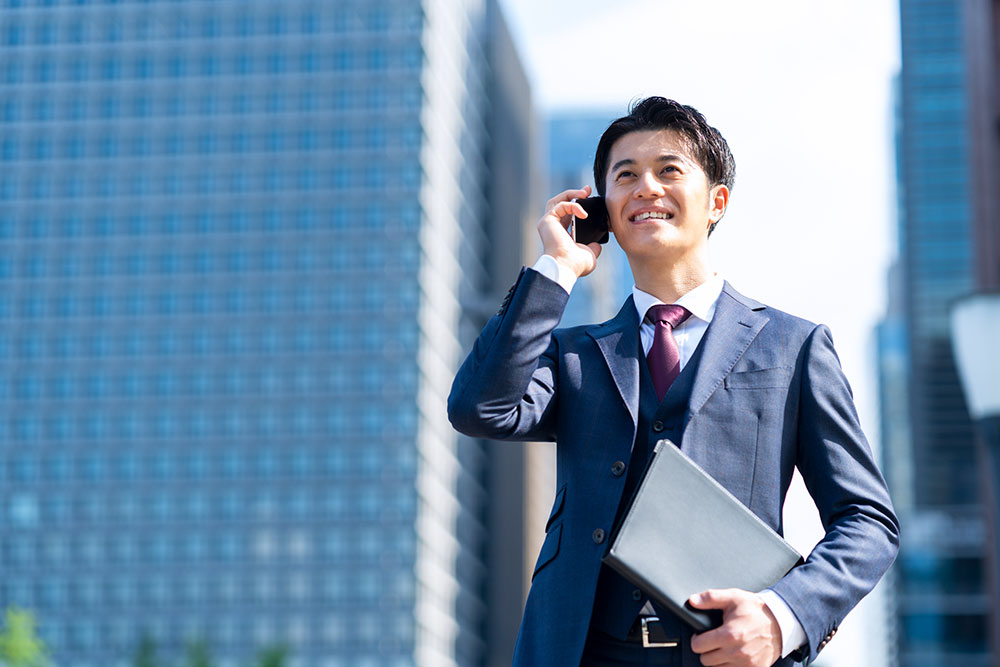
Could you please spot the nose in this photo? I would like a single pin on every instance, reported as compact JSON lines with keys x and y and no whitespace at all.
{"x":648,"y":186}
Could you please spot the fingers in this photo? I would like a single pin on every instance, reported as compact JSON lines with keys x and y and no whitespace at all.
{"x":716,"y":598}
{"x":565,"y":209}
{"x":749,"y":635}
{"x":710,"y":640}
{"x":716,"y":658}
{"x":567,"y":195}
{"x":557,"y":243}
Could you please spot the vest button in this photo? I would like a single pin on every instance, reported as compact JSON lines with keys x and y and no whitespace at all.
{"x":636,"y":594}
{"x":657,"y":426}
{"x":598,"y":536}
{"x":617,"y":468}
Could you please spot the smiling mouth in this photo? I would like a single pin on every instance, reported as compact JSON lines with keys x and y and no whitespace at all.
{"x":652,"y":215}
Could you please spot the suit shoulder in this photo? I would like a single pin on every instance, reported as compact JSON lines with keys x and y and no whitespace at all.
{"x":790,"y":326}
{"x":792,"y":322}
{"x":567,"y":336}
{"x":585,"y":332}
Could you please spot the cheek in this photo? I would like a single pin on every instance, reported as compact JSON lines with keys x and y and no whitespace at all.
{"x":615,"y":203}
{"x":614,"y":211}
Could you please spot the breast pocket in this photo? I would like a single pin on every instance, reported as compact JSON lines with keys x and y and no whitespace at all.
{"x":762,"y":378}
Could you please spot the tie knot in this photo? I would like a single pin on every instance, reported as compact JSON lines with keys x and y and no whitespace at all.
{"x":671,"y":314}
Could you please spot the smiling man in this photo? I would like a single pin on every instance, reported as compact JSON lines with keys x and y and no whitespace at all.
{"x":749,"y":392}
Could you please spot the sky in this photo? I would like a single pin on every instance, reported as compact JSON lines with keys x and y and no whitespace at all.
{"x":803,"y":93}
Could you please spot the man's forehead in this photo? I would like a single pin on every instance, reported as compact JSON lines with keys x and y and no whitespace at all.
{"x":663,"y":141}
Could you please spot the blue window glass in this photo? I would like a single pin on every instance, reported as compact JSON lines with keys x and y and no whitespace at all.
{"x":163,"y":465}
{"x":15,"y":34}
{"x":377,"y":59}
{"x":79,"y":70}
{"x":309,"y":22}
{"x":210,"y":26}
{"x":13,"y":72}
{"x":343,"y":59}
{"x":276,"y":63}
{"x":24,"y":469}
{"x":9,"y":148}
{"x":276,"y":24}
{"x":378,"y":19}
{"x":44,"y":32}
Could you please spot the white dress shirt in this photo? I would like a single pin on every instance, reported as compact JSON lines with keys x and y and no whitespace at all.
{"x":701,"y":303}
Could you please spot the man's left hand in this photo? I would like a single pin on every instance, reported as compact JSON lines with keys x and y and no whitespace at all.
{"x":749,"y":635}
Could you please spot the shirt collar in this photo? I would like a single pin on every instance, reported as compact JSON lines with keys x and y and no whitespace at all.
{"x":700,"y":302}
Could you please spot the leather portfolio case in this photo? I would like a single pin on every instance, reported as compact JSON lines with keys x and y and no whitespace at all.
{"x":684,"y":533}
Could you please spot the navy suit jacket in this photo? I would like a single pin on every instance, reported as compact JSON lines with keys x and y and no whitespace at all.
{"x":769,"y":396}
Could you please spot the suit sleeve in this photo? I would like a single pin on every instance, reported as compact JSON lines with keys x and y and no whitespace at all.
{"x":506,"y":387}
{"x":837,"y":465}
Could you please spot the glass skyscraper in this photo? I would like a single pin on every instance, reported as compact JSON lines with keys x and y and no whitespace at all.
{"x":237,"y":240}
{"x":941,"y":602}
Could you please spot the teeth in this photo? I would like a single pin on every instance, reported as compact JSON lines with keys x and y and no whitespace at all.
{"x":653,"y":214}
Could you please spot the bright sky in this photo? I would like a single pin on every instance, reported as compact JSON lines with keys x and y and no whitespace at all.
{"x":803,"y":93}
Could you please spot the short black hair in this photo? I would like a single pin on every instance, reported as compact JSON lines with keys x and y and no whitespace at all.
{"x":659,"y":113}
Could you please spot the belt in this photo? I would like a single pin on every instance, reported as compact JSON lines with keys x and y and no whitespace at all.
{"x":649,"y":630}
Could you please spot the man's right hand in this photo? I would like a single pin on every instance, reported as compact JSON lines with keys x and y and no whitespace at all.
{"x":557,"y":243}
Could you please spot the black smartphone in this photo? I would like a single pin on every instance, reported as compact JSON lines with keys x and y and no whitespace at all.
{"x":593,"y":228}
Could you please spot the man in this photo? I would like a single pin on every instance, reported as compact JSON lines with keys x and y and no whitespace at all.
{"x":748,"y":392}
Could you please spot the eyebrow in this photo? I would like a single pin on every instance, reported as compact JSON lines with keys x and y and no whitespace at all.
{"x":669,"y":157}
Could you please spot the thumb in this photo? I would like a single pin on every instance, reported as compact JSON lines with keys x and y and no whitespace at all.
{"x":713,"y":598}
{"x":595,"y":248}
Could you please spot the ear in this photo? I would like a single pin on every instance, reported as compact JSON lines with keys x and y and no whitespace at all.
{"x":718,"y":200}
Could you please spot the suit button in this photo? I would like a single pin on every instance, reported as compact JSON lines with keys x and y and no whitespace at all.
{"x":617,"y":468}
{"x":598,"y":536}
{"x":637,"y":594}
{"x":657,"y":426}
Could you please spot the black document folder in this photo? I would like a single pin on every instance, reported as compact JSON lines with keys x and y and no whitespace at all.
{"x":684,"y":533}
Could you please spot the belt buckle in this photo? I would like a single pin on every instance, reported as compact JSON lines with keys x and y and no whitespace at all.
{"x":645,"y":634}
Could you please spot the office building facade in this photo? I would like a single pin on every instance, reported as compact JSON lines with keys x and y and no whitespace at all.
{"x":940,"y":580}
{"x":236,"y":244}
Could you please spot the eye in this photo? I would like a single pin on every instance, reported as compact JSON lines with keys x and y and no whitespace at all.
{"x":671,"y":168}
{"x":624,"y":173}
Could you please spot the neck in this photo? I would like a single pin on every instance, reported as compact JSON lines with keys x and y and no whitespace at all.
{"x":669,"y":281}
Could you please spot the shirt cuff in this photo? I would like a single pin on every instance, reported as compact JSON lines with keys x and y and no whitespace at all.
{"x":792,"y":634}
{"x":553,"y":270}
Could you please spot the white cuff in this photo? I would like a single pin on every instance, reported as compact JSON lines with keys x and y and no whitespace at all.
{"x":792,"y":634}
{"x":553,"y":270}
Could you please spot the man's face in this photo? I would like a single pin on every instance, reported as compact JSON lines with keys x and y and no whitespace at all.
{"x":658,"y":198}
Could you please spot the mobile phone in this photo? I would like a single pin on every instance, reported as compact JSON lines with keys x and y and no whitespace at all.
{"x":593,"y":228}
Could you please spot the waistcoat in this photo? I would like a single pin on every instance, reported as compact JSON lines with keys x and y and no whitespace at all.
{"x":617,"y":602}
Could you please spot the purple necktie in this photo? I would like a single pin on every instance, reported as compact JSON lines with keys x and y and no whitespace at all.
{"x":664,"y":359}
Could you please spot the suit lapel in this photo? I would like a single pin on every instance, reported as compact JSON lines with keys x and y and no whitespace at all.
{"x":736,"y":323}
{"x":618,"y":340}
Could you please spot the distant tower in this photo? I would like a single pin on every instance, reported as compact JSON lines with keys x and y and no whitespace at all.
{"x":941,"y":604}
